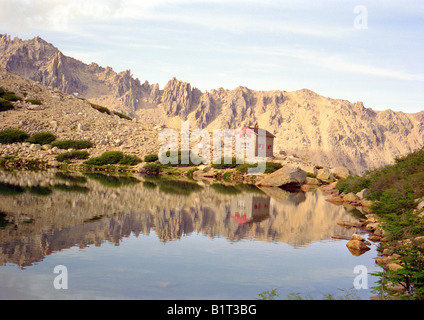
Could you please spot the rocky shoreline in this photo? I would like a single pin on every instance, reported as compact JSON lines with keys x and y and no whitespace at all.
{"x":387,"y":257}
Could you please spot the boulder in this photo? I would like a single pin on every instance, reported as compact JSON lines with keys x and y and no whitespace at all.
{"x":363,"y":193}
{"x":312,"y":181}
{"x":35,"y":147}
{"x":325,"y":174}
{"x":351,"y":197}
{"x":393,"y":266}
{"x":357,"y":237}
{"x":335,"y":199}
{"x":286,"y":176}
{"x":309,"y":168}
{"x":372,"y":226}
{"x":357,"y":245}
{"x":340,"y":172}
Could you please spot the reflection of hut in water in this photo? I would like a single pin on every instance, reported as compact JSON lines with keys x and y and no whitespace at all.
{"x":250,"y":208}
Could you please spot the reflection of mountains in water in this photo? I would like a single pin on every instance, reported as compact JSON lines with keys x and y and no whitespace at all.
{"x":39,"y":217}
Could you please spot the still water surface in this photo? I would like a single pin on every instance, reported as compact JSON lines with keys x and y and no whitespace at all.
{"x":147,"y":238}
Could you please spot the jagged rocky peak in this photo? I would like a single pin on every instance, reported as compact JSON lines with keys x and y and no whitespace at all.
{"x":178,"y":98}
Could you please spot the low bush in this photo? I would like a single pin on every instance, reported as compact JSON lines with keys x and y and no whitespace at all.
{"x":129,"y":160}
{"x":5,"y":105}
{"x":106,"y":110}
{"x":225,"y":163}
{"x":114,"y":157}
{"x":43,"y":137}
{"x":270,"y":167}
{"x":108,"y":157}
{"x":12,"y":136}
{"x":10,"y":96}
{"x":121,"y":115}
{"x":353,"y":184}
{"x":180,"y":160}
{"x":154,"y":168}
{"x":151,"y":158}
{"x":100,"y":108}
{"x":33,"y":101}
{"x":72,"y":144}
{"x":77,"y":154}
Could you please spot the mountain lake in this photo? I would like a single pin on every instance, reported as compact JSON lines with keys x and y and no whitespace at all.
{"x":72,"y":235}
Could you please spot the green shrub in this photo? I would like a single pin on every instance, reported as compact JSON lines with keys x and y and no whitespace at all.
{"x":114,"y":157}
{"x":33,"y":101}
{"x":153,"y":167}
{"x":10,"y":96}
{"x":72,"y":144}
{"x":225,"y":163}
{"x":121,"y":115}
{"x":43,"y":137}
{"x":353,"y":184}
{"x":12,"y":136}
{"x":106,"y":110}
{"x":76,"y":154}
{"x":181,"y":157}
{"x":5,"y":105}
{"x":394,"y":190}
{"x":190,"y":173}
{"x":151,"y":158}
{"x":270,"y":167}
{"x":100,"y":108}
{"x":2,"y":91}
{"x":129,"y":160}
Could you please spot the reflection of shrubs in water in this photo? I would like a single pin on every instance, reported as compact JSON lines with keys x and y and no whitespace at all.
{"x":149,"y":185}
{"x":71,"y":188}
{"x":39,"y":191}
{"x":235,"y":189}
{"x":225,"y":189}
{"x":94,"y":219}
{"x":178,"y":187}
{"x":3,"y":221}
{"x":111,"y":180}
{"x":7,"y":189}
{"x":71,"y":178}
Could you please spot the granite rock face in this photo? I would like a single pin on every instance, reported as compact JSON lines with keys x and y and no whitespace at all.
{"x":288,"y":176}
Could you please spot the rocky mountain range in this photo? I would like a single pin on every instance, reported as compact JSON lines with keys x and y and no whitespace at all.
{"x":326,"y":131}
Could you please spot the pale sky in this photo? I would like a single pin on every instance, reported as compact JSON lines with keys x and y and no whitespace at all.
{"x":370,"y":51}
